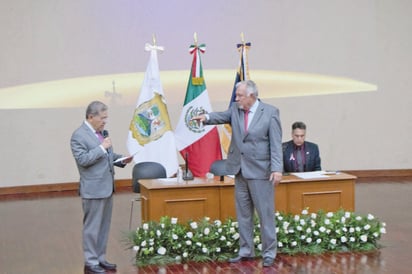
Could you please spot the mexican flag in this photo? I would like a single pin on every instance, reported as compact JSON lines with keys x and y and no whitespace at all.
{"x":200,"y":144}
{"x":242,"y":74}
{"x":150,"y":135}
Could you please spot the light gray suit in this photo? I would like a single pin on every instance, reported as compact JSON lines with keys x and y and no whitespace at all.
{"x":252,"y":157}
{"x":96,"y":188}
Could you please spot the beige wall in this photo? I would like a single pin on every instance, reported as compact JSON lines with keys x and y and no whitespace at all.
{"x":368,"y":41}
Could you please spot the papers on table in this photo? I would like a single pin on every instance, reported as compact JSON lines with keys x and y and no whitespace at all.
{"x":167,"y":181}
{"x":314,"y":174}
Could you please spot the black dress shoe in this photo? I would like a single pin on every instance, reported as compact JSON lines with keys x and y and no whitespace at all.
{"x":92,"y":269}
{"x":108,"y":266}
{"x":267,"y":262}
{"x":239,"y":258}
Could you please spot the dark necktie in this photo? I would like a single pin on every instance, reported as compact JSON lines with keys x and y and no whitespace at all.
{"x":299,"y":159}
{"x":246,"y":112}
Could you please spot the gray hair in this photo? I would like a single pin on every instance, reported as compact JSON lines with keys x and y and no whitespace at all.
{"x":251,"y":87}
{"x":95,"y":108}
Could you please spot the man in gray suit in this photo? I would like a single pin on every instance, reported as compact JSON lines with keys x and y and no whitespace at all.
{"x":255,"y":157}
{"x":92,"y":150}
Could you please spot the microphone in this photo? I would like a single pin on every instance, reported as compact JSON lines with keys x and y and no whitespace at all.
{"x":105,"y":133}
{"x":187,"y":174}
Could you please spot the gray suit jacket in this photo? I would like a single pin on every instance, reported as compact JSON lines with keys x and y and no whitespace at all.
{"x":259,"y":151}
{"x":94,"y":165}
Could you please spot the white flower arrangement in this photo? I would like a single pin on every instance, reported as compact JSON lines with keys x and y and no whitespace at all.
{"x":169,"y":241}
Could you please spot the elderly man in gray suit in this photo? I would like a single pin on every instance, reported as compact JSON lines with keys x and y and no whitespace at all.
{"x":92,"y":150}
{"x":255,"y":157}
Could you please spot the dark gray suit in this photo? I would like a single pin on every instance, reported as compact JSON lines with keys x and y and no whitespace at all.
{"x":252,"y":157}
{"x":311,"y":158}
{"x":96,"y":188}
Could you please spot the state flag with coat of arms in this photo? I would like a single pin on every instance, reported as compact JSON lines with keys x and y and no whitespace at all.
{"x":150,"y":137}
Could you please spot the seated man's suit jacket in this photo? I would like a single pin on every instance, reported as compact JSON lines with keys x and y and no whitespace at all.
{"x":311,"y":161}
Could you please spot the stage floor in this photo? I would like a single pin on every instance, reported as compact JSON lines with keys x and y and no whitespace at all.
{"x":42,"y":234}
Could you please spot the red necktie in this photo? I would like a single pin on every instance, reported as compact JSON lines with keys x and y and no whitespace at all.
{"x":246,"y":118}
{"x":100,"y":136}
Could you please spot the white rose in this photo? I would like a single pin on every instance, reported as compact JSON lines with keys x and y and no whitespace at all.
{"x":161,"y":250}
{"x":193,"y":225}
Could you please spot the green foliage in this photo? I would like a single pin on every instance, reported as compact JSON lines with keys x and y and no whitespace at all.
{"x":168,"y":241}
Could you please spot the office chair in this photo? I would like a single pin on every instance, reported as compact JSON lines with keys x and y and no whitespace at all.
{"x":218,"y":168}
{"x":144,"y":170}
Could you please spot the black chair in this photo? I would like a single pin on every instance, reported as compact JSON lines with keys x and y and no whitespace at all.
{"x":144,"y":170}
{"x":218,"y":168}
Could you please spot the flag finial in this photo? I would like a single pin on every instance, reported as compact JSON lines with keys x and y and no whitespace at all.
{"x":154,"y":45}
{"x":154,"y":39}
{"x":242,"y":37}
{"x":195,"y":38}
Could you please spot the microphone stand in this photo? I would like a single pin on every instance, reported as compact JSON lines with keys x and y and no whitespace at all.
{"x":187,"y":174}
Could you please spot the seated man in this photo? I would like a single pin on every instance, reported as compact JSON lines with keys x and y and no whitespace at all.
{"x":299,"y":155}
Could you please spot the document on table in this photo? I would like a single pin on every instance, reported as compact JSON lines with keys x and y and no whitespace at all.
{"x":312,"y":174}
{"x":167,"y":181}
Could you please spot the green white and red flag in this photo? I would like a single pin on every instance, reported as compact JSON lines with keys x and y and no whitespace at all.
{"x":200,"y":144}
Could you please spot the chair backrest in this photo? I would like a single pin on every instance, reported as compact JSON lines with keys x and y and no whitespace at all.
{"x":218,"y":168}
{"x":146,"y":170}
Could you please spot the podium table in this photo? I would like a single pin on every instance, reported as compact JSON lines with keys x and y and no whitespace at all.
{"x":192,"y":200}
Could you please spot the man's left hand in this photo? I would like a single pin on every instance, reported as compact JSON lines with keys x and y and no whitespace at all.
{"x":275,"y":178}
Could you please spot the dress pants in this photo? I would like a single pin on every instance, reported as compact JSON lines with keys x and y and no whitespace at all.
{"x":259,"y":195}
{"x":96,"y":225}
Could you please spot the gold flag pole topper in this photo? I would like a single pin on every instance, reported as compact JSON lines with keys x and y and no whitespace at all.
{"x":197,"y":75}
{"x":154,"y":39}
